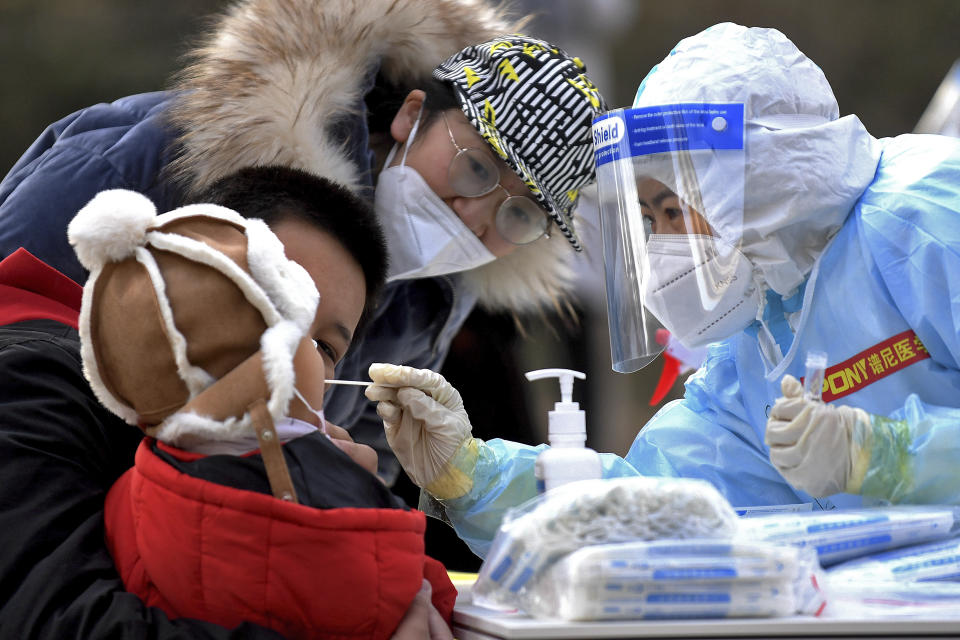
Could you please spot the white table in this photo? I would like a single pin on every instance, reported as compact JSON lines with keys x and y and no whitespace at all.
{"x":476,"y":623}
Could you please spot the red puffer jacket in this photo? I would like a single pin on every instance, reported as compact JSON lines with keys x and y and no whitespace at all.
{"x":202,"y":550}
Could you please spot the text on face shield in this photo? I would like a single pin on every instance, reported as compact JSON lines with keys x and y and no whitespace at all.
{"x":608,"y":131}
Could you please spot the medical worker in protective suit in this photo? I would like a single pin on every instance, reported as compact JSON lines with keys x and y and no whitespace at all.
{"x":740,"y":210}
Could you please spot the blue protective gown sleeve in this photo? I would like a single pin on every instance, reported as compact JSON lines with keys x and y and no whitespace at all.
{"x":914,"y":454}
{"x":503,"y":478}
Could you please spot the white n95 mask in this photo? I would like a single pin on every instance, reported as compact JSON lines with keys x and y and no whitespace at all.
{"x":701,"y":295}
{"x":425,"y":237}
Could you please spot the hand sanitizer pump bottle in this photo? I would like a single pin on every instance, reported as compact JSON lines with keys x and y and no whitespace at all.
{"x":568,"y":459}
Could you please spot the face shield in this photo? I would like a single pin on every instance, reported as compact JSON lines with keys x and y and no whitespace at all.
{"x":671,"y":183}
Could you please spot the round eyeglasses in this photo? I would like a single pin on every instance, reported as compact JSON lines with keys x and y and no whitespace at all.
{"x":473,"y":173}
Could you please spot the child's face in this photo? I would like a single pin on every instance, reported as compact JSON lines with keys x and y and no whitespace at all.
{"x":343,"y":293}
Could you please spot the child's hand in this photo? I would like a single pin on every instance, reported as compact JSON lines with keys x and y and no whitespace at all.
{"x":363,"y":455}
{"x":422,"y":620}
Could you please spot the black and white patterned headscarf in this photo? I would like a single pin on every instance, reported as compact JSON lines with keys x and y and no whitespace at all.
{"x":534,"y":105}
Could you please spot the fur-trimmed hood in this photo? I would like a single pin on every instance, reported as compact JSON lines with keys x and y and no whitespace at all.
{"x":279,"y":82}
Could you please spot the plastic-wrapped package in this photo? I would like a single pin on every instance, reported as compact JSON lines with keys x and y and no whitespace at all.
{"x":845,"y":534}
{"x":909,"y":582}
{"x":917,"y":563}
{"x":589,"y":512}
{"x":766,"y":510}
{"x":876,"y":599}
{"x":676,"y":579}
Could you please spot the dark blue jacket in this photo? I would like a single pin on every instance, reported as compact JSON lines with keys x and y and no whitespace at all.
{"x":118,"y":145}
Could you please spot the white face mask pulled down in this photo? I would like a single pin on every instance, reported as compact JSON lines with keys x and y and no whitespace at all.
{"x":425,"y":237}
{"x":293,"y":421}
{"x":287,"y":429}
{"x":674,"y":293}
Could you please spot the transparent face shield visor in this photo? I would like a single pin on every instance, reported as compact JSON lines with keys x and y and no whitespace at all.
{"x":670,"y":181}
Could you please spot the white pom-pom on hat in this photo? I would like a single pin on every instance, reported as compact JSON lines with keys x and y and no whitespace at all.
{"x":110,"y":227}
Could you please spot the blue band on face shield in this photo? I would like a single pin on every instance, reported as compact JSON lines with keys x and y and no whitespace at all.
{"x":684,"y":126}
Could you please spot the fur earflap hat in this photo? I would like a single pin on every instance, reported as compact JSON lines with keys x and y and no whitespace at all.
{"x":177,"y":301}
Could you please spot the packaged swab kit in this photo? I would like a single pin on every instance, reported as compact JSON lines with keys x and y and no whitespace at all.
{"x":850,"y":533}
{"x":662,"y":579}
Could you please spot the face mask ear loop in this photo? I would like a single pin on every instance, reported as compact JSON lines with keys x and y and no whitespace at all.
{"x":413,"y":133}
{"x":319,"y":414}
{"x":390,"y":156}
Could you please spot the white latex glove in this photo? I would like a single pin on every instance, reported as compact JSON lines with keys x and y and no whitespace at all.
{"x":819,"y":448}
{"x":426,"y":426}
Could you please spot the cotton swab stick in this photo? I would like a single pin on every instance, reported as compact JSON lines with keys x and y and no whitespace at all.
{"x":361,"y":383}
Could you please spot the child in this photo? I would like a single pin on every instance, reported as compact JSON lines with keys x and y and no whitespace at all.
{"x":196,"y":327}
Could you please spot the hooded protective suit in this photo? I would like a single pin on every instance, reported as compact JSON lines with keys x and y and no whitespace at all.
{"x":857,"y":245}
{"x":856,"y":241}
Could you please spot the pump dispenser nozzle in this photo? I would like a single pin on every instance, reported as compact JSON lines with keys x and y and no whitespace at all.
{"x":567,"y":459}
{"x":566,"y":377}
{"x":566,"y":417}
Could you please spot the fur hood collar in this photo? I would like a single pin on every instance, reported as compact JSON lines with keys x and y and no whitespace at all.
{"x":277,"y":77}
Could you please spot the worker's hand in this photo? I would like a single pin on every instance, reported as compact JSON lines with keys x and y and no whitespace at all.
{"x":426,"y":426}
{"x":422,"y":621}
{"x":819,"y":448}
{"x":363,"y":455}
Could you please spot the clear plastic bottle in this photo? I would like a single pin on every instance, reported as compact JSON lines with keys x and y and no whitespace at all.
{"x":568,"y":459}
{"x":813,"y":381}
